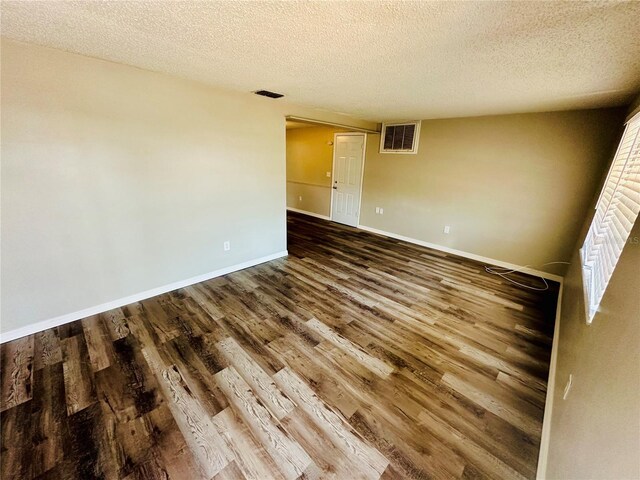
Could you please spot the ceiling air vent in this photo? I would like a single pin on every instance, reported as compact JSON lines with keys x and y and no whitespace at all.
{"x":400,"y":137}
{"x":267,"y":93}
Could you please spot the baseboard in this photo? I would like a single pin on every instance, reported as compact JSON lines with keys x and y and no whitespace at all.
{"x":72,"y":317}
{"x":460,"y":253}
{"x":311,"y":214}
{"x":545,"y":436}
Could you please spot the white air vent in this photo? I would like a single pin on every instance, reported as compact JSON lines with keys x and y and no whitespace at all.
{"x":400,"y":137}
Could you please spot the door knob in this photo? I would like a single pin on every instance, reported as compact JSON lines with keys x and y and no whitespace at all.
{"x":335,"y":188}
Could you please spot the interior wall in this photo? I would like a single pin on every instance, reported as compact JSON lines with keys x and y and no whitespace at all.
{"x":117,"y":180}
{"x":309,"y":160}
{"x":513,"y":188}
{"x":595,"y":432}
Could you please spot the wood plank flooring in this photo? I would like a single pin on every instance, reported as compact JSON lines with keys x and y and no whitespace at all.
{"x":358,"y":356}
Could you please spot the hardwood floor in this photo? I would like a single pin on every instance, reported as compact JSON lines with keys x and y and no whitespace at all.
{"x":357,"y":356}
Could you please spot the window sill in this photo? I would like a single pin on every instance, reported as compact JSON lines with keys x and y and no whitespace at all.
{"x":585,"y":274}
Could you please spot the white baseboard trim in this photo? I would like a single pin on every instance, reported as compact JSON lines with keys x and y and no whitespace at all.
{"x":545,"y":436}
{"x":72,"y":317}
{"x":460,"y":253}
{"x":311,"y":214}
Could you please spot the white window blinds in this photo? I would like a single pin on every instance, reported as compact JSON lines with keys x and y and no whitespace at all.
{"x":616,"y":212}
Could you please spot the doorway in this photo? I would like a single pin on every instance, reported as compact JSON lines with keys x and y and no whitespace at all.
{"x":348,"y":169}
{"x":325,"y":167}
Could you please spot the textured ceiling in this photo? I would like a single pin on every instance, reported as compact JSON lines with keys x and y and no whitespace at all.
{"x":372,"y":60}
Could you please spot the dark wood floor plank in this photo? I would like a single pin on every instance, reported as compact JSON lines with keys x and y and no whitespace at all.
{"x":357,"y":356}
{"x":48,"y":418}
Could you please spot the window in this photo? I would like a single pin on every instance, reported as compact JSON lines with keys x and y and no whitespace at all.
{"x":400,"y":137}
{"x":616,"y":212}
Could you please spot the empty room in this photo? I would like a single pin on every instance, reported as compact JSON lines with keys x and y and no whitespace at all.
{"x":320,"y":240}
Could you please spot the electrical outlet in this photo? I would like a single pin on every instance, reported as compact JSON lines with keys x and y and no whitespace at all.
{"x":377,"y":210}
{"x":381,"y":211}
{"x":329,"y":174}
{"x":447,"y":228}
{"x":227,"y":246}
{"x":300,"y":198}
{"x":567,"y":387}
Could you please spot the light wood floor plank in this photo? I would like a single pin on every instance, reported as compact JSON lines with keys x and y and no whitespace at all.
{"x":371,"y":363}
{"x":367,"y":460}
{"x":287,"y":453}
{"x":516,"y":418}
{"x":116,"y":323}
{"x":250,"y":456}
{"x":78,"y":378}
{"x":263,"y":386}
{"x":98,"y":343}
{"x":17,"y":372}
{"x":47,"y":349}
{"x":195,"y":424}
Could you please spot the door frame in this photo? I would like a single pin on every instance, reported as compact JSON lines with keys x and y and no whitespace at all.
{"x":333,"y":169}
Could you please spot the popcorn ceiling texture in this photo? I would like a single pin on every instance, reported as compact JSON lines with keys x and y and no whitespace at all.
{"x":372,"y":60}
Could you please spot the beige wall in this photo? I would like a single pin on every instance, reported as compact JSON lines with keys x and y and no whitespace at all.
{"x":634,"y":107}
{"x":309,"y":158}
{"x":116,"y":180}
{"x":514,"y":188}
{"x":595,"y":432}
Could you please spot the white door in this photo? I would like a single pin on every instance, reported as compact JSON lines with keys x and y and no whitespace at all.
{"x":348,"y":162}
